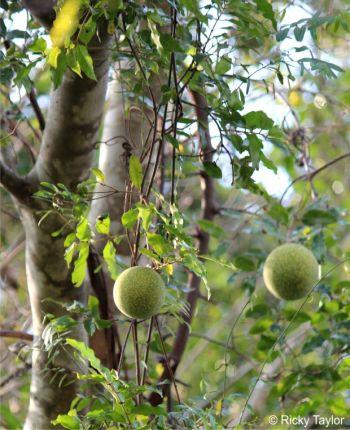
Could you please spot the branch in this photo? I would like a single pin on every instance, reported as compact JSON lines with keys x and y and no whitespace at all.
{"x":43,"y":11}
{"x":314,"y":173}
{"x":245,"y":368}
{"x":208,"y":208}
{"x":16,"y":374}
{"x":15,"y":334}
{"x":19,"y":187}
{"x":35,"y":105}
{"x":12,"y":252}
{"x":223,"y":345}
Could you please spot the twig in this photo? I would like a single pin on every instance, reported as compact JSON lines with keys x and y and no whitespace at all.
{"x":35,"y":105}
{"x":167,"y":360}
{"x":148,"y":342}
{"x":123,"y":349}
{"x":235,"y":322}
{"x":16,"y":374}
{"x":15,"y":249}
{"x":20,"y":187}
{"x":314,"y":173}
{"x":15,"y":334}
{"x":223,"y":345}
{"x":137,"y":356}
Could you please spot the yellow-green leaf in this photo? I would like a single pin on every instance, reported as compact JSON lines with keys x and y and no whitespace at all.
{"x":135,"y":171}
{"x":53,"y":56}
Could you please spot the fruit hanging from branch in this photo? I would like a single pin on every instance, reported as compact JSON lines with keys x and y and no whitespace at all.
{"x":139,"y":292}
{"x":290,"y":271}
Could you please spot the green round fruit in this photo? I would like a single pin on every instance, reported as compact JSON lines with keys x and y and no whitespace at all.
{"x":290,"y":271}
{"x":139,"y":292}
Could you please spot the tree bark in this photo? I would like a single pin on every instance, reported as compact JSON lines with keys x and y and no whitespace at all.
{"x":65,"y":156}
{"x":43,"y":11}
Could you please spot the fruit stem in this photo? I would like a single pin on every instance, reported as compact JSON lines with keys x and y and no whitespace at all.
{"x":122,"y":352}
{"x":137,"y":357}
{"x":148,"y":342}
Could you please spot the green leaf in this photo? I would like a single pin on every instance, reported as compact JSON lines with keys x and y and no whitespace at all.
{"x":103,"y":224}
{"x":255,"y":147}
{"x":109,"y":255}
{"x":262,"y":325}
{"x":130,"y":217}
{"x":223,"y":65}
{"x":266,"y":342}
{"x":39,"y":45}
{"x":323,"y":67}
{"x":60,"y":69}
{"x":69,"y":253}
{"x":282,"y":34}
{"x":193,"y":6}
{"x":80,"y":264}
{"x":286,"y":384}
{"x":258,"y":311}
{"x":266,"y":9}
{"x":244,"y":263}
{"x":87,"y":31}
{"x":148,"y":410}
{"x":318,"y":216}
{"x":98,"y":174}
{"x":279,"y":213}
{"x":159,"y":244}
{"x":267,"y":162}
{"x":299,"y":33}
{"x":212,"y":169}
{"x":67,"y":421}
{"x":169,"y":43}
{"x":83,"y":231}
{"x":93,"y":305}
{"x":85,"y":61}
{"x":145,"y":213}
{"x":73,"y":63}
{"x":70,"y":238}
{"x":172,"y":141}
{"x":52,"y":57}
{"x":50,"y":186}
{"x":192,"y":263}
{"x":85,"y":352}
{"x":258,"y":119}
{"x":135,"y":171}
{"x":154,"y":34}
{"x":313,"y":343}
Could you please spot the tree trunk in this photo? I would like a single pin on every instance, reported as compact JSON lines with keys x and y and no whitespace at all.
{"x":48,"y":278}
{"x":65,"y":156}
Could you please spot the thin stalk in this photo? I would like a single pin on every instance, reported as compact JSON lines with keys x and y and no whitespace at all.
{"x":167,"y":360}
{"x":122,"y":352}
{"x":148,"y":342}
{"x":137,"y":357}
